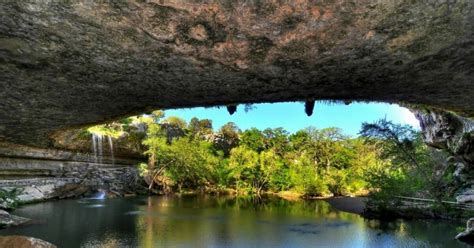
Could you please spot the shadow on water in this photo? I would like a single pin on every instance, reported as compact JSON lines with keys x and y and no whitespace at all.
{"x":209,"y":221}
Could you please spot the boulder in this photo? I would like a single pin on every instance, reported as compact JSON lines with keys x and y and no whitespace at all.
{"x":23,"y":242}
{"x":468,"y":235}
{"x":8,"y":220}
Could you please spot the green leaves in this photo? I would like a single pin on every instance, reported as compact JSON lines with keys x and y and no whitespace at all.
{"x":314,"y":162}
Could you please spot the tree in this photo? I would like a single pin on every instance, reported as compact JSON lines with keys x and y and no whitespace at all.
{"x":269,"y":171}
{"x":226,"y":138}
{"x":253,"y":139}
{"x":400,"y":141}
{"x":175,"y":121}
{"x":184,"y":162}
{"x":174,"y":127}
{"x":305,"y":178}
{"x":300,"y":140}
{"x":242,"y":162}
{"x":410,"y":165}
{"x":200,"y":128}
{"x":276,"y":138}
{"x":325,"y":147}
{"x":389,"y":159}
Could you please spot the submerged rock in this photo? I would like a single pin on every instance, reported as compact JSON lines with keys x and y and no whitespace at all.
{"x":9,"y":220}
{"x":23,"y":242}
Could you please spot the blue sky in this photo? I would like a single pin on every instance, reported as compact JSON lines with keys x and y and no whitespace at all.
{"x":292,"y":117}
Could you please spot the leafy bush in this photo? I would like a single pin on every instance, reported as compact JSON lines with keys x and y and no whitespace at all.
{"x":9,"y":198}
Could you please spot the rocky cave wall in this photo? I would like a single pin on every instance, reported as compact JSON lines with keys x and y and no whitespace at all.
{"x":455,"y":134}
{"x":41,"y":174}
{"x":66,"y":64}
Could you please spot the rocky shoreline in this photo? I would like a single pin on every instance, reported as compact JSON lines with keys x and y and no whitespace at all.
{"x":8,"y":220}
{"x":34,"y":175}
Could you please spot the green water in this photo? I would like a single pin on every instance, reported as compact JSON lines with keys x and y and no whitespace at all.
{"x":207,"y":221}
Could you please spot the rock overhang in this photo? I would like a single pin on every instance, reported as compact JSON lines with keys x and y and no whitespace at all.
{"x":66,"y":64}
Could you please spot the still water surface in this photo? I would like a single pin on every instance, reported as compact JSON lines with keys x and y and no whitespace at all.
{"x":207,"y":221}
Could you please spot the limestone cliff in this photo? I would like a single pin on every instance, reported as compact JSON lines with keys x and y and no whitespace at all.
{"x":40,"y":174}
{"x":66,"y":64}
{"x":455,"y":134}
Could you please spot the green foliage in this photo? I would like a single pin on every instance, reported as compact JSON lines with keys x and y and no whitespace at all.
{"x":243,"y":164}
{"x":175,"y":121}
{"x":305,"y":178}
{"x":227,"y":138}
{"x":407,"y":167}
{"x":142,"y":169}
{"x":200,"y":128}
{"x":390,"y":159}
{"x":111,"y":130}
{"x":253,"y":139}
{"x":187,"y":163}
{"x":9,"y":198}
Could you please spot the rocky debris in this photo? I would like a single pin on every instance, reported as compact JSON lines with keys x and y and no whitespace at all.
{"x":8,"y":220}
{"x":468,"y":235}
{"x":23,"y":242}
{"x":75,"y":63}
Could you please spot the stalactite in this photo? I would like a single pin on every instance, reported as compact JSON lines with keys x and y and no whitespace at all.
{"x":231,"y":109}
{"x":309,"y":107}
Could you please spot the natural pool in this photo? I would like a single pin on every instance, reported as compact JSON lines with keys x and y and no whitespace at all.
{"x":209,"y":221}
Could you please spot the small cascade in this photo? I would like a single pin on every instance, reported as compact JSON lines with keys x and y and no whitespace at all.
{"x":100,"y":195}
{"x":98,"y":147}
{"x":111,"y":147}
{"x":94,"y":146}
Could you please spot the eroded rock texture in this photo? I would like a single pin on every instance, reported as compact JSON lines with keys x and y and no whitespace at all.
{"x":41,"y":174}
{"x":9,"y":220}
{"x":455,"y":134}
{"x":24,"y":242}
{"x":73,"y":63}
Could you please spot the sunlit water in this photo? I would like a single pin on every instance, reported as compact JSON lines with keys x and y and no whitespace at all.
{"x":208,"y":221}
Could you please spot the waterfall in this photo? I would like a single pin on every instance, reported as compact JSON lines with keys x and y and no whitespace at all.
{"x":98,"y":147}
{"x":101,"y":150}
{"x":111,"y":147}
{"x":98,"y":196}
{"x":94,"y":147}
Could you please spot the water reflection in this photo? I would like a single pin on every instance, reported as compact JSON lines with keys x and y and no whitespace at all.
{"x":207,"y":221}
